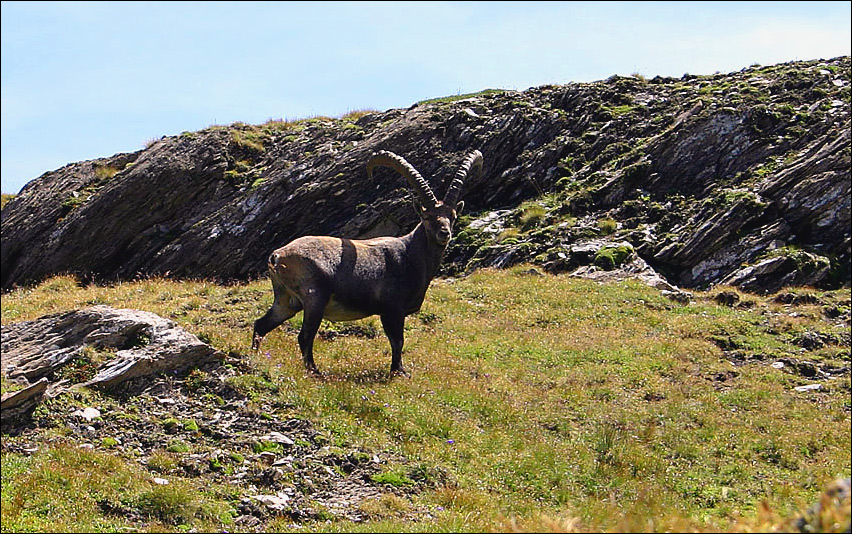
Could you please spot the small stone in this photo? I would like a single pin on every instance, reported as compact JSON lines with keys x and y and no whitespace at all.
{"x":777,"y":365}
{"x":809,"y":387}
{"x":267,"y":457}
{"x":829,"y":504}
{"x":275,"y":502}
{"x":88,"y":414}
{"x":160,"y":481}
{"x":278,"y":437}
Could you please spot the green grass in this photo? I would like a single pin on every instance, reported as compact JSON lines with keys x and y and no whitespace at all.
{"x":105,"y":172}
{"x":453,"y":98}
{"x":531,"y":215}
{"x":553,"y":403}
{"x":67,"y":489}
{"x":392,"y":478}
{"x":249,"y":138}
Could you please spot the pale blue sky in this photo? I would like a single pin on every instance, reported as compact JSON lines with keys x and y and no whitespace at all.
{"x":82,"y":80}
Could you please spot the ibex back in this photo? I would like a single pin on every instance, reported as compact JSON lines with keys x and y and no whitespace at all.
{"x":347,"y":279}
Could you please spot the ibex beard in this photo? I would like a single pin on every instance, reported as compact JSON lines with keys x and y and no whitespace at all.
{"x":348,"y":279}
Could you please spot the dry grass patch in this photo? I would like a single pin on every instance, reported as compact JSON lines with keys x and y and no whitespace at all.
{"x":553,"y":404}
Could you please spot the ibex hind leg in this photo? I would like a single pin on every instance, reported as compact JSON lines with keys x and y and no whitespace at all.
{"x":283,"y":307}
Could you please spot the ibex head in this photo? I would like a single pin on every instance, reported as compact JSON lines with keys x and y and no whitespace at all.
{"x":438,"y":216}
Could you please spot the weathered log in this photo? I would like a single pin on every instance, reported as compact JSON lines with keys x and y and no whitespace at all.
{"x":19,"y":404}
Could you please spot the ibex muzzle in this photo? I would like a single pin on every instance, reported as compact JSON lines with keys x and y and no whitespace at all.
{"x":347,"y":279}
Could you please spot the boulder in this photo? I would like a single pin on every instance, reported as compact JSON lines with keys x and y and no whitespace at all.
{"x":100,"y":347}
{"x":16,"y":405}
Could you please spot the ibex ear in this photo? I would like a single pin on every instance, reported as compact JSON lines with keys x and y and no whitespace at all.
{"x":418,"y":206}
{"x":459,"y":208}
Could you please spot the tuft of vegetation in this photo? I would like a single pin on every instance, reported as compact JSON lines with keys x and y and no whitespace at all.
{"x":453,"y":98}
{"x":105,"y":172}
{"x":190,"y":425}
{"x":356,"y":114}
{"x":5,"y":198}
{"x":266,"y":446}
{"x":392,"y":478}
{"x":177,"y":446}
{"x":194,"y":379}
{"x":248,"y":138}
{"x":531,"y":216}
{"x":607,"y":226}
{"x":84,"y":366}
{"x":608,"y":258}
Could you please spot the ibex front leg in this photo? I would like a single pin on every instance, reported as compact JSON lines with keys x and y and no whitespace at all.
{"x":394,"y":325}
{"x":310,"y":325}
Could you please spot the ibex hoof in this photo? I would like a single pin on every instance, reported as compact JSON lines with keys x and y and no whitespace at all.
{"x":400,"y":372}
{"x":255,"y":343}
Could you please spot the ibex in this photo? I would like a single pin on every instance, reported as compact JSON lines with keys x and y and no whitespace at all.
{"x":348,"y":279}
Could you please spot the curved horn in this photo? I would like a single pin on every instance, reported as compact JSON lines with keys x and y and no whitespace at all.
{"x":472,"y":161}
{"x":397,"y":163}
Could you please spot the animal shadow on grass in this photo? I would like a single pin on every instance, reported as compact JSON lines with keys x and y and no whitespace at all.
{"x":378,"y":375}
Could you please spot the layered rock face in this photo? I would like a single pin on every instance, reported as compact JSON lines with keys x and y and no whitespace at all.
{"x":133,"y":343}
{"x":740,"y":178}
{"x":100,"y":347}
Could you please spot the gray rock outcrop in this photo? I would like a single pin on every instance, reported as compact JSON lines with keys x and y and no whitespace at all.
{"x":740,"y":178}
{"x":100,"y":347}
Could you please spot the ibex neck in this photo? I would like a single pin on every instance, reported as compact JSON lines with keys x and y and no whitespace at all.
{"x":419,"y":243}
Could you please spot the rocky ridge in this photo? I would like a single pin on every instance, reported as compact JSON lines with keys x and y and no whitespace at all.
{"x":739,"y":179}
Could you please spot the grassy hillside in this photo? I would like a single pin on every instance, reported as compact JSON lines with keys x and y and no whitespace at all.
{"x":547,"y":403}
